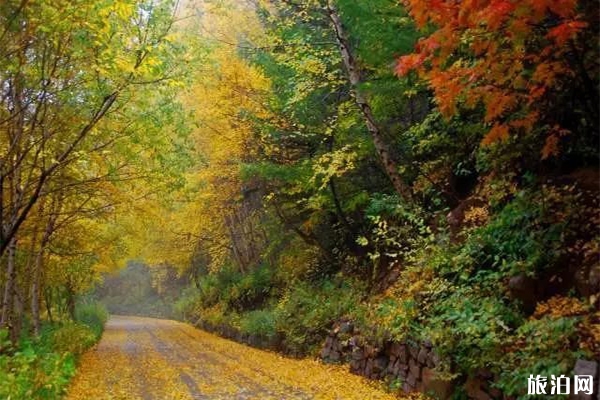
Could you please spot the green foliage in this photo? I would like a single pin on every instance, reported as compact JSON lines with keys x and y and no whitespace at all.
{"x":41,"y":368}
{"x":472,"y":327}
{"x":251,"y":289}
{"x":261,"y":323}
{"x":93,"y":315}
{"x":73,"y":338}
{"x":456,"y":295}
{"x":542,"y":345}
{"x":305,"y":313}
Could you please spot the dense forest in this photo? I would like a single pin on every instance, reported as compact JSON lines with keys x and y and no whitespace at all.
{"x":426,"y":171}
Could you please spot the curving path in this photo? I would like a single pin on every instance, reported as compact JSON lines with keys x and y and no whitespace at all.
{"x":147,"y":358}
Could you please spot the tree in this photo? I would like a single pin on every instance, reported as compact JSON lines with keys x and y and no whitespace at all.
{"x":532,"y":65}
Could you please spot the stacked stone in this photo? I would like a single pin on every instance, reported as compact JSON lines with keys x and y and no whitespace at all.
{"x":406,"y":362}
{"x":338,"y":346}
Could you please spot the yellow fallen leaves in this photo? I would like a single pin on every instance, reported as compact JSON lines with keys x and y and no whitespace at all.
{"x":145,"y":358}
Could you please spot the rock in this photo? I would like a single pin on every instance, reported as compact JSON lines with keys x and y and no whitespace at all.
{"x":485,"y":374}
{"x":422,"y":356}
{"x":414,"y":368}
{"x":474,"y":390}
{"x":370,"y":351}
{"x":495,"y":393}
{"x":346,"y":327}
{"x":440,"y":389}
{"x":325,"y":352}
{"x":402,"y":371}
{"x":358,"y":353}
{"x":357,"y":366}
{"x":524,"y":288}
{"x":411,"y":379}
{"x":380,"y":364}
{"x":430,"y":363}
{"x":435,"y":359}
{"x":407,"y":388}
{"x":328,"y":341}
{"x":369,"y":367}
{"x":335,"y":356}
{"x":586,"y":368}
{"x":393,"y":349}
{"x":413,"y":351}
{"x":402,"y":354}
{"x":394,"y":367}
{"x":336,"y":345}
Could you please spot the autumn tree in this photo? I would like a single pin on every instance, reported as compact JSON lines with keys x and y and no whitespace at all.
{"x":532,"y":66}
{"x":73,"y":87}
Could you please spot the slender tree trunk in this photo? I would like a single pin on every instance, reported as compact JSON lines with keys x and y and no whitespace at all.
{"x":354,"y":76}
{"x":70,"y":302}
{"x":48,"y":302}
{"x":7,"y":319}
{"x":38,"y":266}
{"x":35,"y":291}
{"x":18,"y":313}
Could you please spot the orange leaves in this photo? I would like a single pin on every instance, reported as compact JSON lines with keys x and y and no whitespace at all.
{"x":483,"y":52}
{"x":497,"y":133}
{"x":408,"y":63}
{"x":551,"y":147}
{"x":560,"y":306}
{"x":497,"y":13}
{"x":447,"y":88}
{"x":565,"y":31}
{"x":497,"y":105}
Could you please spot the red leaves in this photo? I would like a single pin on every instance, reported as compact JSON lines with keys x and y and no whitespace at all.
{"x":408,"y":63}
{"x":506,"y":40}
{"x":565,"y":31}
{"x":497,"y":13}
{"x":424,"y":48}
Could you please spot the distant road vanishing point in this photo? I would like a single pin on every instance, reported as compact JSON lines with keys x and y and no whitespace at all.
{"x":155,"y":359}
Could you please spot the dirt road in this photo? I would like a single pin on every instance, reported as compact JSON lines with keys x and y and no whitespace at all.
{"x":146,"y":358}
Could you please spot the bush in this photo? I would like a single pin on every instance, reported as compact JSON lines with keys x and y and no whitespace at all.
{"x":187,"y":306}
{"x":40,"y":368}
{"x":94,"y":315}
{"x":258,"y":322}
{"x":73,"y":338}
{"x":307,"y":311}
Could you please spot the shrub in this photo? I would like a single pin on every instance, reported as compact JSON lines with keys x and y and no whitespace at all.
{"x":73,"y":338}
{"x":306,"y":312}
{"x":35,"y":370}
{"x":94,"y":315}
{"x":187,"y":306}
{"x":258,"y":322}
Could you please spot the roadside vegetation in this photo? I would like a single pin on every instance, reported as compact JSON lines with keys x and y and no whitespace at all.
{"x":41,"y":367}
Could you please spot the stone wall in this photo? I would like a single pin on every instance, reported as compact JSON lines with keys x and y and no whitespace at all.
{"x":261,"y":342}
{"x":413,"y":365}
{"x":409,"y":363}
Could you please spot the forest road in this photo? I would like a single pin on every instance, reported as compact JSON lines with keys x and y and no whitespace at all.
{"x":156,"y":359}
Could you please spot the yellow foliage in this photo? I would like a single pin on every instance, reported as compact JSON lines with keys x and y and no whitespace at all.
{"x":560,"y":306}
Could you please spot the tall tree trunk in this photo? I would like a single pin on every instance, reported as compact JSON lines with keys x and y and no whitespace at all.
{"x":70,"y":301}
{"x":7,"y":319}
{"x":48,"y":302}
{"x":35,"y":291}
{"x":38,"y":266}
{"x":354,"y":76}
